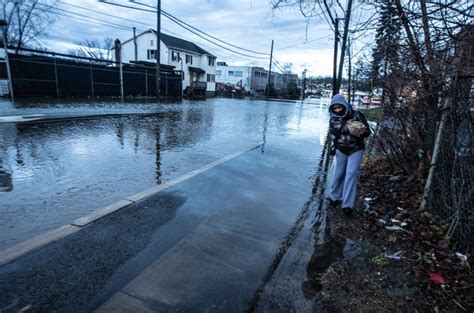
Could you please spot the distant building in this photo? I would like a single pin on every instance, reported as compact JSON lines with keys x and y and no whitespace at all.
{"x":253,"y":79}
{"x":233,"y":75}
{"x":197,"y":65}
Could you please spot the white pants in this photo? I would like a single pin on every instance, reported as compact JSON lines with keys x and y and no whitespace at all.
{"x":344,"y":182}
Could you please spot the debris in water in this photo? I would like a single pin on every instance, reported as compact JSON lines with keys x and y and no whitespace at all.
{"x":461,"y":257}
{"x":395,"y":256}
{"x":380,"y":260}
{"x":398,"y":228}
{"x":437,"y":278}
{"x":394,"y":178}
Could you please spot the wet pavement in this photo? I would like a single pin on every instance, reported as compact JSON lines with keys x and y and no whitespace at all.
{"x":205,"y":244}
{"x":54,"y":172}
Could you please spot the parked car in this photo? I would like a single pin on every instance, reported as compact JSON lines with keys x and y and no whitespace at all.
{"x":374,"y":100}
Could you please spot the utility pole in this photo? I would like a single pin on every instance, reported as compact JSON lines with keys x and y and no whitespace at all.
{"x":354,"y":85}
{"x":349,"y":73}
{"x":270,"y":72}
{"x":158,"y":49}
{"x":304,"y":83}
{"x":344,"y":42}
{"x":3,"y":25}
{"x":334,"y":70}
{"x":135,"y":43}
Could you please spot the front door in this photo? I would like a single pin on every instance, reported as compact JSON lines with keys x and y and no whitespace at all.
{"x":192,"y":78}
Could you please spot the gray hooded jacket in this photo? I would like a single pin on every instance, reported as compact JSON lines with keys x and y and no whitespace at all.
{"x":339,"y":134}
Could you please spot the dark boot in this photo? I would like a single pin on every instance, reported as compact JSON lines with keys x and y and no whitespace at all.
{"x":334,"y":203}
{"x":347,"y":211}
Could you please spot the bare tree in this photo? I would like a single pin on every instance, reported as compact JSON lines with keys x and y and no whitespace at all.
{"x":424,"y":75}
{"x":287,"y":67}
{"x":327,"y":10}
{"x":95,"y":49}
{"x":27,"y":20}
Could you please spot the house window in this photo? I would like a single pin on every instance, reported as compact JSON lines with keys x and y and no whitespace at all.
{"x":151,"y":43}
{"x":260,"y":74}
{"x":151,"y":54}
{"x":231,"y":73}
{"x":218,"y":73}
{"x":238,"y":74}
{"x":175,"y":56}
{"x":189,"y":59}
{"x":211,"y":61}
{"x":211,"y":78}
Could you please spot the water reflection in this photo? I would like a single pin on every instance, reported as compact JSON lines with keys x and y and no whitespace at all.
{"x":158,"y":155}
{"x":65,"y":169}
{"x":6,"y":183}
{"x":265,"y":127}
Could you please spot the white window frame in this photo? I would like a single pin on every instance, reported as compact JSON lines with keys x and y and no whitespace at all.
{"x":189,"y":59}
{"x":151,"y":54}
{"x":175,"y":56}
{"x":211,"y":78}
{"x":211,"y":61}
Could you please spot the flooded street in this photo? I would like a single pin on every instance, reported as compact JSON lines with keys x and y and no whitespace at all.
{"x":53,"y":172}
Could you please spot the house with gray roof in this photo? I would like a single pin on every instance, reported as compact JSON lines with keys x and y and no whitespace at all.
{"x":198,"y":66}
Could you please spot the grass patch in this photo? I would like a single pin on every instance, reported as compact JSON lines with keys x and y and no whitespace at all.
{"x":374,"y":114}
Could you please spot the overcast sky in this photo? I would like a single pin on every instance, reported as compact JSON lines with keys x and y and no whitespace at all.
{"x":250,"y":24}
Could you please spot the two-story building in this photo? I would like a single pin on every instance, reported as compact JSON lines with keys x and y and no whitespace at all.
{"x":197,"y":65}
{"x":234,"y":75}
{"x":253,"y":79}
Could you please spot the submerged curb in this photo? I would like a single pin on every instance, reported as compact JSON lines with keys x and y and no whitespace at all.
{"x":56,"y":234}
{"x":35,"y":243}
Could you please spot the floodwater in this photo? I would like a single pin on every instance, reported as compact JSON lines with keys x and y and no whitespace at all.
{"x":53,"y":172}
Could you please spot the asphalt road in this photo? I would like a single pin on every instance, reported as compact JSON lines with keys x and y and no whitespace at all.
{"x":202,"y":245}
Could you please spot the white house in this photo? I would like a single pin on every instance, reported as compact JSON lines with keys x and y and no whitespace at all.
{"x":234,"y":75}
{"x":198,"y":65}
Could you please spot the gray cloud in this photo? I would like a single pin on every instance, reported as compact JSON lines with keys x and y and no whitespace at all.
{"x":248,"y":23}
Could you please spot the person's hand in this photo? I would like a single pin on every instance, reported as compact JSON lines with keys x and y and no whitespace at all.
{"x":332,"y":150}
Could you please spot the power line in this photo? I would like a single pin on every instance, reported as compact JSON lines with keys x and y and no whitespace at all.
{"x":106,"y":14}
{"x":278,"y":62}
{"x":114,"y":16}
{"x":223,"y":47}
{"x":86,"y":18}
{"x":278,"y":67}
{"x":188,"y":29}
{"x":102,"y":22}
{"x":90,"y":20}
{"x":304,"y":43}
{"x":97,"y":21}
{"x":200,"y":31}
{"x":119,"y":17}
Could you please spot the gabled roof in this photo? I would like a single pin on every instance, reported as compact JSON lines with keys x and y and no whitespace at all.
{"x":174,"y":42}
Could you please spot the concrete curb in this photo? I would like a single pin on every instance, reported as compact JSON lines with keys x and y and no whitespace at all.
{"x":98,"y":214}
{"x":42,"y":240}
{"x":35,"y":243}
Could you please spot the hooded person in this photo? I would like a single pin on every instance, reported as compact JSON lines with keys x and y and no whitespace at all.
{"x":347,"y":129}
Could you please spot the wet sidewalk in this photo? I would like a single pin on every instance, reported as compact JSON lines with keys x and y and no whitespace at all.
{"x":202,"y":245}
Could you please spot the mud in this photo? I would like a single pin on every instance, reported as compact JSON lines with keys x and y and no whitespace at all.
{"x":361,"y":278}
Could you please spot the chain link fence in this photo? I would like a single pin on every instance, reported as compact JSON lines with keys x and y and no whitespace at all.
{"x":450,"y":184}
